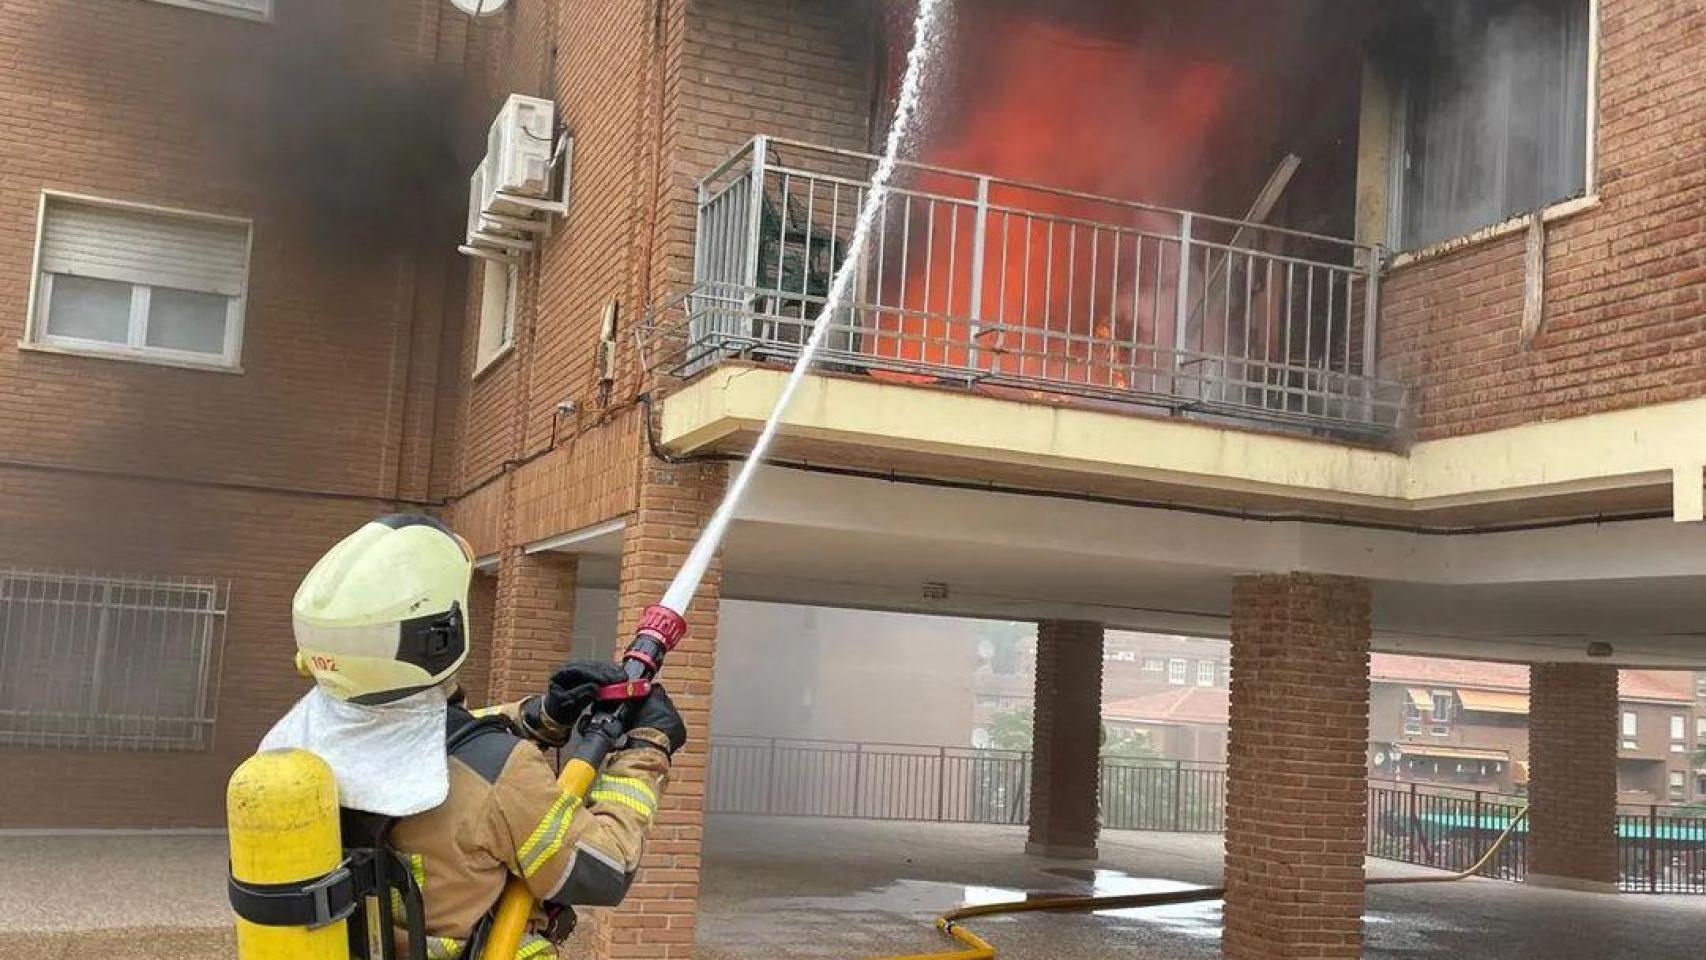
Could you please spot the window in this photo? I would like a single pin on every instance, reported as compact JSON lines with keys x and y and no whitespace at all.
{"x":1700,"y":730}
{"x":1176,"y":672}
{"x":140,"y":283}
{"x":1412,"y":717}
{"x":108,"y":661}
{"x":1154,"y":664}
{"x":1677,"y":785}
{"x":1678,"y":727}
{"x":1700,"y":685}
{"x":1205,"y":673}
{"x":1441,"y":713}
{"x":1631,"y":729}
{"x":1493,"y":113}
{"x":246,"y":9}
{"x":1442,"y":707}
{"x":497,"y":312}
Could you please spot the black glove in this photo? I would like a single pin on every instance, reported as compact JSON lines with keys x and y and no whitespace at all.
{"x":657,"y":713}
{"x":575,"y":686}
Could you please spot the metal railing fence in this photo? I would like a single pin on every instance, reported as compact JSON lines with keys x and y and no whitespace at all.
{"x":1661,"y":849}
{"x":981,"y":280}
{"x":1446,"y":828}
{"x":869,"y":781}
{"x":109,"y":662}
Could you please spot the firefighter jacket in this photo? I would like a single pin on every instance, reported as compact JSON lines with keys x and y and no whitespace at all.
{"x":506,"y":816}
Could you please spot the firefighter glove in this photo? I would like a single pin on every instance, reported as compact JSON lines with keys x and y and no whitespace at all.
{"x":657,"y":715}
{"x":575,"y":687}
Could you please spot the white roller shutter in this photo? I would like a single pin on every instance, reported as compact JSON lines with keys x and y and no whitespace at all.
{"x":139,"y":246}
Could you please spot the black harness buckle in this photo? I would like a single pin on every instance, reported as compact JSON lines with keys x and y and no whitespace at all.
{"x":312,"y":903}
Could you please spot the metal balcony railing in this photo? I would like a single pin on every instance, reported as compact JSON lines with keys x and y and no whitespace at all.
{"x":1029,"y":290}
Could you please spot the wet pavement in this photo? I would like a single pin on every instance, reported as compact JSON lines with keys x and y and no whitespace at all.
{"x":781,"y":889}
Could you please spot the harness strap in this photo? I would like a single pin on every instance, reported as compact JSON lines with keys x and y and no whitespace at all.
{"x":312,"y":903}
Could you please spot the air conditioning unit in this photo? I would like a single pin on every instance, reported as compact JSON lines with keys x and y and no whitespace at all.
{"x":512,"y":194}
{"x":518,"y":151}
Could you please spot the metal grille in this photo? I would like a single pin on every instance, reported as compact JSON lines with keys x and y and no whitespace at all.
{"x":1005,"y":285}
{"x":1661,"y":849}
{"x":117,"y":662}
{"x":1446,"y":827}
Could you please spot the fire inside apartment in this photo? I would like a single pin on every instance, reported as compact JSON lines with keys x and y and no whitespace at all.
{"x":1333,"y":329}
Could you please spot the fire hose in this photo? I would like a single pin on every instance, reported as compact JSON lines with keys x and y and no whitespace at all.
{"x":976,"y":948}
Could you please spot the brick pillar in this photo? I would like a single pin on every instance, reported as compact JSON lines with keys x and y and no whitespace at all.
{"x":1572,"y":784}
{"x":532,"y":623}
{"x":656,"y":921}
{"x":1297,"y":787}
{"x":1066,"y":739}
{"x":475,"y":675}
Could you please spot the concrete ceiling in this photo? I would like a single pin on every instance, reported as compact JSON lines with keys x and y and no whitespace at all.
{"x":1532,"y":595}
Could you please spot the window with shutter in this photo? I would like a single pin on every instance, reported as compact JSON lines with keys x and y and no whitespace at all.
{"x":139,"y":282}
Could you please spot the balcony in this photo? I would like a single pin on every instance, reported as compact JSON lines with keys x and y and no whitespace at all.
{"x":1032,"y":293}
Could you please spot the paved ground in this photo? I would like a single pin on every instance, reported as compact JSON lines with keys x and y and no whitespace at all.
{"x":781,"y":889}
{"x":845,"y":889}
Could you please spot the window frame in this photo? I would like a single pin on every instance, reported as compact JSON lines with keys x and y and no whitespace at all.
{"x":1178,"y":672}
{"x":1160,"y":665}
{"x":1396,"y":137}
{"x":135,"y":348}
{"x":485,"y":359}
{"x":1206,"y":670}
{"x":224,"y":9}
{"x":1629,"y":730}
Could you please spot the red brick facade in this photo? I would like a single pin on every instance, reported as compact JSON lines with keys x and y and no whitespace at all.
{"x":1297,"y":788}
{"x":116,"y":467}
{"x":1625,"y":281}
{"x":1066,"y":740}
{"x":533,"y":621}
{"x":657,"y":919}
{"x":1572,"y":731}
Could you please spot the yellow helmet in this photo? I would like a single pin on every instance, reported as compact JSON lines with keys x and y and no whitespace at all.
{"x":384,"y":614}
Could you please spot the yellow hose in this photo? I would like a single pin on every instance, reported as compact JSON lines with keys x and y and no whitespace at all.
{"x":516,"y":906}
{"x":979,"y":949}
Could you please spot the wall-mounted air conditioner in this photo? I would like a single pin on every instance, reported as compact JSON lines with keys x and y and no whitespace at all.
{"x":522,"y":182}
{"x":518,"y":154}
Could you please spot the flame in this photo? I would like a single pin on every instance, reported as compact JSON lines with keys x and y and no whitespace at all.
{"x":1100,"y":109}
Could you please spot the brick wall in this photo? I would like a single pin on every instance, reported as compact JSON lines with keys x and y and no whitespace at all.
{"x":1625,"y":310}
{"x":533,"y":621}
{"x":1572,"y":787}
{"x":261,"y":542}
{"x":1066,"y":739}
{"x":162,"y":471}
{"x":656,"y":922}
{"x":1296,"y":801}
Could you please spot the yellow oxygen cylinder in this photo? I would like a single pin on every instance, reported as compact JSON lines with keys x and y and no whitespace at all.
{"x":281,"y":810}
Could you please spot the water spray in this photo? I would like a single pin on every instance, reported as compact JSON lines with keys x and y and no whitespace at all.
{"x":663,"y":624}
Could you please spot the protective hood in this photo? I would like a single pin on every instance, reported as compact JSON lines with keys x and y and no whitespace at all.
{"x":389,"y":759}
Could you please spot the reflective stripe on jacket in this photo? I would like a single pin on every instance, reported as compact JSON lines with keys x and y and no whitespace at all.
{"x":506,"y":816}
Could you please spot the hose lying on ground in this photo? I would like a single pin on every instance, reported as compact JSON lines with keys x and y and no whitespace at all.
{"x":976,"y":948}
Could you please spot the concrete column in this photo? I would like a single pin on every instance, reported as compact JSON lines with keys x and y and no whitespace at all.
{"x":532,"y":623}
{"x":656,"y":921}
{"x":1572,"y":785}
{"x":1066,"y":739}
{"x":1297,"y":787}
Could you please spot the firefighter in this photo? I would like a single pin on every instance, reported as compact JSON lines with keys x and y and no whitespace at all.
{"x":469,"y":795}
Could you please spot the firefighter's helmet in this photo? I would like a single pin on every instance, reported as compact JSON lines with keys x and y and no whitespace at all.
{"x":384,"y":614}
